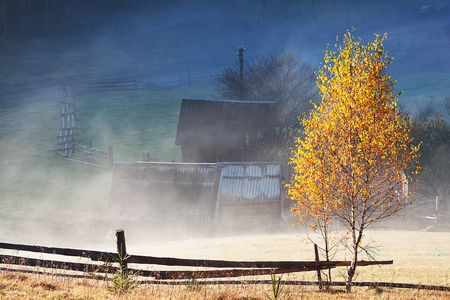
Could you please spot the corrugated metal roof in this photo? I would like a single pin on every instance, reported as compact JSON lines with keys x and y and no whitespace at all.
{"x":225,"y":123}
{"x":174,"y":191}
{"x":120,"y":213}
{"x":162,"y":191}
{"x":250,"y":183}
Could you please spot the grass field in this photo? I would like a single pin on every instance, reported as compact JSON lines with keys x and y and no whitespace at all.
{"x":20,"y":286}
{"x":46,"y":200}
{"x":424,"y":262}
{"x":42,"y":191}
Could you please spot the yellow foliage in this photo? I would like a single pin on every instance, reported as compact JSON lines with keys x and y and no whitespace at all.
{"x":349,"y":164}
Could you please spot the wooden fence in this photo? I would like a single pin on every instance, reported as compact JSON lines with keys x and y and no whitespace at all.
{"x":52,"y":88}
{"x":102,"y":262}
{"x":433,"y":212}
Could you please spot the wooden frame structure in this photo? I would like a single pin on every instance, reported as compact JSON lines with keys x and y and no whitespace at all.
{"x":222,"y":269}
{"x":67,"y":131}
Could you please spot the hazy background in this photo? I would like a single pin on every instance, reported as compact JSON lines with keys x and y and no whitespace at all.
{"x":156,"y":40}
{"x":48,"y":44}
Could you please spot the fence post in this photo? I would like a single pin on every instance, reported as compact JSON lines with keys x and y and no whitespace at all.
{"x":319,"y":275}
{"x":121,"y":247}
{"x":437,"y":203}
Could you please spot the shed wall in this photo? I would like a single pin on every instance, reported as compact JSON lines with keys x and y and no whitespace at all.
{"x":247,"y":193}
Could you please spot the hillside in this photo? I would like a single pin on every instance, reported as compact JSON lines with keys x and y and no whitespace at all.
{"x":183,"y":43}
{"x":56,"y":43}
{"x":48,"y":199}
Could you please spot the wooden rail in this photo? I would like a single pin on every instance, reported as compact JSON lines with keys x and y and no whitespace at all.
{"x":93,"y":255}
{"x":303,"y":282}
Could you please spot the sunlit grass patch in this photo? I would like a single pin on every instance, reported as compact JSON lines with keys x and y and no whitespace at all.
{"x":50,"y":287}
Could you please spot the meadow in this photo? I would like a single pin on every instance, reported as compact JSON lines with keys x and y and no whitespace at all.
{"x":49,"y":201}
{"x":46,"y":200}
{"x":424,"y":262}
{"x":41,"y":190}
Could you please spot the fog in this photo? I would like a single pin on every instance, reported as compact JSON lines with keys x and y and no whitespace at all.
{"x":156,"y":45}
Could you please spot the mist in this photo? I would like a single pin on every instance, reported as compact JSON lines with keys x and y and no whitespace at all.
{"x":159,"y":52}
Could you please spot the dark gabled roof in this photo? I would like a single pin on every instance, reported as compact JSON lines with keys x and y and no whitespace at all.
{"x":225,"y":123}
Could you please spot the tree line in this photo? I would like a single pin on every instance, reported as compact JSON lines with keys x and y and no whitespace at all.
{"x":290,"y":82}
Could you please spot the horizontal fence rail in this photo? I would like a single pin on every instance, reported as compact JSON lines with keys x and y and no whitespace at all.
{"x":302,"y":282}
{"x":52,"y":88}
{"x":168,"y":261}
{"x":93,"y":255}
{"x":53,"y":264}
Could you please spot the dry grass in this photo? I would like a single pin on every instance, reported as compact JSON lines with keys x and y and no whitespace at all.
{"x":14,"y":285}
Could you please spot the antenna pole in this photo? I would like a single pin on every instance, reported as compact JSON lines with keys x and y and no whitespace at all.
{"x":241,"y":50}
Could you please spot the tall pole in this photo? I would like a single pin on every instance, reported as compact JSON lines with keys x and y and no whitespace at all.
{"x":241,"y":50}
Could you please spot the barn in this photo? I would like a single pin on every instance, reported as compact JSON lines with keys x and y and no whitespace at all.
{"x":227,"y":176}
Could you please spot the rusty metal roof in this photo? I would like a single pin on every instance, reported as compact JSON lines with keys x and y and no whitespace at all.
{"x":225,"y":123}
{"x":250,"y":183}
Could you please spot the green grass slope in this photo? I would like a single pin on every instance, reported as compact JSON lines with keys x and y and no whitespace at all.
{"x":43,"y":196}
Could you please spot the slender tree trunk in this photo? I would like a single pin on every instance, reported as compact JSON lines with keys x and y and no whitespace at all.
{"x":352,"y":269}
{"x":327,"y":258}
{"x":356,"y":242}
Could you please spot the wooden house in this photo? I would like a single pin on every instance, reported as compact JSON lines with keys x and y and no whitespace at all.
{"x":211,"y":131}
{"x":227,"y":176}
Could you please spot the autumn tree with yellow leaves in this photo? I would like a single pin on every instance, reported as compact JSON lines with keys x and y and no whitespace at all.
{"x":350,"y":163}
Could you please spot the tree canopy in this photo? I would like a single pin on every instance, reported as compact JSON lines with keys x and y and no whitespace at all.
{"x":285,"y":79}
{"x":349,"y":166}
